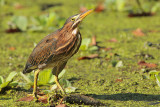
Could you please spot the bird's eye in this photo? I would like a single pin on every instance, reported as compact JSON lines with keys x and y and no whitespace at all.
{"x":72,"y":19}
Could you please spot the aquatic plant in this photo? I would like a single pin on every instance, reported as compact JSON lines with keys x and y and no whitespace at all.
{"x":8,"y":82}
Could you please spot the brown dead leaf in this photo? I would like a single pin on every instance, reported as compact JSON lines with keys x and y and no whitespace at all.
{"x":118,"y":80}
{"x":11,"y":30}
{"x":83,"y":9}
{"x":89,"y":57}
{"x":100,"y":7}
{"x":42,"y":98}
{"x":111,"y":54}
{"x":18,"y":6}
{"x":93,"y":43}
{"x":113,"y":40}
{"x":28,"y":98}
{"x":106,"y":49}
{"x":138,"y":32}
{"x":62,"y":105}
{"x":148,"y":65}
{"x":140,"y":14}
{"x":12,"y":48}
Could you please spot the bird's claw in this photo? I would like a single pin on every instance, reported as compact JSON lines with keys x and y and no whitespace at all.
{"x":36,"y":97}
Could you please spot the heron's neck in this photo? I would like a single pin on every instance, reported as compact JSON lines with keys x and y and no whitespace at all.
{"x":69,"y":31}
{"x":75,"y":31}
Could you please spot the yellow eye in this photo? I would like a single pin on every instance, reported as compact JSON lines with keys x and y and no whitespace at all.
{"x":73,"y":19}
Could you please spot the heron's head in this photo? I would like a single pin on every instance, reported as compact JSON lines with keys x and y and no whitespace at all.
{"x":74,"y":21}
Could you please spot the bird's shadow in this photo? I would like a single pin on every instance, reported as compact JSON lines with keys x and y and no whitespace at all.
{"x":127,"y":97}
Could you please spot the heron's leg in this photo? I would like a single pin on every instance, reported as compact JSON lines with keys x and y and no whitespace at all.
{"x":59,"y":86}
{"x":55,"y":71}
{"x":35,"y":83}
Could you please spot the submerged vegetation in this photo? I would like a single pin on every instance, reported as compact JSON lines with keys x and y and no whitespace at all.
{"x":118,"y":62}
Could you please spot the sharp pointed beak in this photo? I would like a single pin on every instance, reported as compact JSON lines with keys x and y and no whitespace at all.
{"x":84,"y":14}
{"x":81,"y":17}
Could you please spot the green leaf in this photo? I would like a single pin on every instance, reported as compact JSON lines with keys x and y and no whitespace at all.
{"x":13,"y":84}
{"x":50,"y":19}
{"x":85,"y":43}
{"x":158,"y":79}
{"x":21,"y":84}
{"x":93,"y":48}
{"x":51,"y":79}
{"x":83,"y":47}
{"x":155,"y":7}
{"x":42,"y":20}
{"x":31,"y":76}
{"x":21,"y":22}
{"x":53,"y":87}
{"x":25,"y":85}
{"x":59,"y":76}
{"x":44,"y":77}
{"x":153,"y":73}
{"x":8,"y":80}
{"x":35,"y":28}
{"x":61,"y":22}
{"x":65,"y":83}
{"x":25,"y":77}
{"x":1,"y":80}
{"x":70,"y":89}
{"x":67,"y":86}
{"x":120,"y":4}
{"x":119,"y":64}
{"x":5,"y":84}
{"x":11,"y":76}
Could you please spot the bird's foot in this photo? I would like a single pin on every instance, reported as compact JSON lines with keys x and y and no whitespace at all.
{"x":37,"y":97}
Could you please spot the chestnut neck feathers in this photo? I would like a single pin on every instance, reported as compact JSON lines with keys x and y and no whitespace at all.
{"x":67,"y":37}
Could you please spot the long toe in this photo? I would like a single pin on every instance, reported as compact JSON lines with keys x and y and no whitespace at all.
{"x":35,"y":97}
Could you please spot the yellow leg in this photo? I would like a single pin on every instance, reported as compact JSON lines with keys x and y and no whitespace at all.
{"x":59,"y":86}
{"x":35,"y":83}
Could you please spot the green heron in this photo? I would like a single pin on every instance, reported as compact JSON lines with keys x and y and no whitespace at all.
{"x":54,"y":50}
